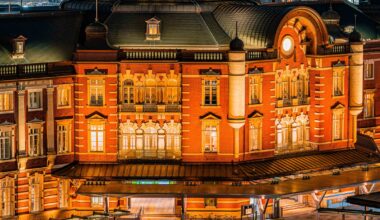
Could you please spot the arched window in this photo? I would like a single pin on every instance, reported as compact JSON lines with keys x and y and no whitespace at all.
{"x":173,"y":136}
{"x":172,"y":92}
{"x":128,"y":92}
{"x":128,"y":139}
{"x":150,"y":91}
{"x":161,"y":139}
{"x":150,"y":138}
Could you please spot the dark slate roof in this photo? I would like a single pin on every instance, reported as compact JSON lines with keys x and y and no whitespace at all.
{"x":276,"y":167}
{"x":51,"y":37}
{"x":177,"y":30}
{"x":368,"y":200}
{"x":257,"y":25}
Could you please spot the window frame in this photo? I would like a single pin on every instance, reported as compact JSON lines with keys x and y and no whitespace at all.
{"x":65,"y":124}
{"x":338,"y":80}
{"x":10,"y":97}
{"x":338,"y":112}
{"x":60,"y":89}
{"x":9,"y":184}
{"x":100,"y":87}
{"x":40,"y":135}
{"x":97,"y":123}
{"x":41,"y":104}
{"x":255,"y":122}
{"x":10,"y":130}
{"x":36,"y":182}
{"x":210,"y":92}
{"x":371,"y":94}
{"x":252,"y":85}
{"x":366,"y":65}
{"x":210,"y":122}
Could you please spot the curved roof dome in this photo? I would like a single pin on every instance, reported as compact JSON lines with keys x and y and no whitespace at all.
{"x":237,"y":45}
{"x":355,"y":36}
{"x":330,"y":16}
{"x":96,"y":27}
{"x":257,"y":25}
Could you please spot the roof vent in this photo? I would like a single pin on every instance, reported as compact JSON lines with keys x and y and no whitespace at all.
{"x":331,"y":16}
{"x":19,"y":47}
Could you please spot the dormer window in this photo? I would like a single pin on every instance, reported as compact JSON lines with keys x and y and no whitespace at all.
{"x":153,"y":29}
{"x":19,"y":47}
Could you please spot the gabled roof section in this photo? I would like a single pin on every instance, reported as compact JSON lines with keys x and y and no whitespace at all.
{"x":52,"y":37}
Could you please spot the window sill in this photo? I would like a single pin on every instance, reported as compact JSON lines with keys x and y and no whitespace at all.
{"x":7,"y":160}
{"x":255,"y":105}
{"x":64,"y":153}
{"x":34,"y":109}
{"x":367,"y":79}
{"x":36,"y":156}
{"x":96,"y":152}
{"x":64,"y":107}
{"x":210,"y":106}
{"x":95,"y":106}
{"x":337,"y":96}
{"x":6,"y":112}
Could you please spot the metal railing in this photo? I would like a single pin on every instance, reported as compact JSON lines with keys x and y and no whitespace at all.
{"x":33,"y":70}
{"x":168,"y":153}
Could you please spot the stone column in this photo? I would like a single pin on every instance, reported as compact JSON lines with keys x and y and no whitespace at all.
{"x":236,"y":95}
{"x":356,"y":84}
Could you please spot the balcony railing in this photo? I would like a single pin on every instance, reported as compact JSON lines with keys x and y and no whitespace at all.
{"x":168,"y":153}
{"x":336,"y":49}
{"x":260,"y":55}
{"x":294,"y":148}
{"x":33,"y":70}
{"x":293,"y":102}
{"x":150,"y":107}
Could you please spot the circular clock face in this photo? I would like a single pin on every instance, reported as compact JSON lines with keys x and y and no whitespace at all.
{"x":287,"y":45}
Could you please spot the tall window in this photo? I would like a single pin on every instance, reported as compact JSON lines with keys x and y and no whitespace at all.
{"x":210,"y":91}
{"x":255,"y":133}
{"x":338,"y":123}
{"x":35,"y":140}
{"x":6,"y":101}
{"x":150,"y":91}
{"x":63,"y":95}
{"x":153,"y":29}
{"x":6,"y":137}
{"x":369,"y":71}
{"x":63,"y":189}
{"x":128,"y":94}
{"x":255,"y":89}
{"x":172,"y":92}
{"x":63,"y":137}
{"x":210,"y":134}
{"x":283,"y":88}
{"x":7,"y":196}
{"x":96,"y":92}
{"x":338,"y":81}
{"x":35,"y":99}
{"x":150,"y":136}
{"x":369,"y":106}
{"x":128,"y":137}
{"x":36,"y":185}
{"x":97,"y":137}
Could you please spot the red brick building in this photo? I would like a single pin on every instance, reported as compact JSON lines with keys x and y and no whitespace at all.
{"x":220,"y":106}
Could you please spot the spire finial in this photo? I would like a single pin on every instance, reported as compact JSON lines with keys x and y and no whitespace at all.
{"x":96,"y":11}
{"x":355,"y":21}
{"x":331,"y":6}
{"x":237,"y":35}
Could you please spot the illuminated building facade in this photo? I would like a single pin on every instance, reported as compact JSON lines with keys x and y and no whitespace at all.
{"x":228,"y":104}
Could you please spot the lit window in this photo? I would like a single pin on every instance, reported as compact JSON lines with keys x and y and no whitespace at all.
{"x":36,"y":184}
{"x":150,"y":91}
{"x":338,"y":122}
{"x":255,"y":89}
{"x":19,"y":47}
{"x":97,"y":137}
{"x":369,"y":73}
{"x":150,"y":137}
{"x":210,"y":134}
{"x":97,"y":201}
{"x":255,"y":132}
{"x":63,"y":189}
{"x":128,"y":137}
{"x":63,"y":96}
{"x":63,"y":137}
{"x":35,"y":140}
{"x":338,"y":81}
{"x":210,"y":91}
{"x":292,"y":133}
{"x":369,"y":107}
{"x":6,"y":139}
{"x":7,"y":197}
{"x":6,"y":101}
{"x":35,"y":99}
{"x":153,"y":29}
{"x":96,"y":93}
{"x":128,"y":97}
{"x":172,"y":92}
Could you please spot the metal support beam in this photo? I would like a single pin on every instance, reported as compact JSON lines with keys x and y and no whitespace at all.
{"x":183,"y":217}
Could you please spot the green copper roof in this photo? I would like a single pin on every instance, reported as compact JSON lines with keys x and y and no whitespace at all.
{"x":51,"y":37}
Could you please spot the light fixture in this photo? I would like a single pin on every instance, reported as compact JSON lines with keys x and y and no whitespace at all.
{"x":287,"y":45}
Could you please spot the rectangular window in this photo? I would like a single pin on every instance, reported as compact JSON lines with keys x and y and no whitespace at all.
{"x":96,"y":92}
{"x":5,"y":145}
{"x":35,"y":193}
{"x":63,"y":96}
{"x":64,"y":186}
{"x":210,"y":91}
{"x":369,"y":71}
{"x":210,"y":202}
{"x":7,"y":197}
{"x":255,"y":134}
{"x":338,"y":120}
{"x":35,"y":100}
{"x":63,"y":138}
{"x":255,"y":88}
{"x":128,"y":93}
{"x":338,"y":81}
{"x":210,"y":136}
{"x":97,"y":201}
{"x":369,"y":107}
{"x":97,"y":137}
{"x":6,"y":101}
{"x":35,"y":141}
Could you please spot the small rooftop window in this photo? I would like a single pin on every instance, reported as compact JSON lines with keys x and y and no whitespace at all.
{"x":19,"y":47}
{"x":153,"y":29}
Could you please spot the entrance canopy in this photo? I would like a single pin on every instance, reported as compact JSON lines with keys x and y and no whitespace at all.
{"x":369,"y":200}
{"x":284,"y":188}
